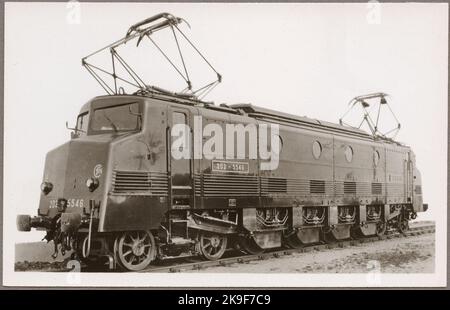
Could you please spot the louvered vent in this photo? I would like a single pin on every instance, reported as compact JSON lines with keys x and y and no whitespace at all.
{"x":376,"y":189}
{"x":223,"y":185}
{"x":131,"y":181}
{"x":317,"y":187}
{"x":349,"y":187}
{"x":277,"y":185}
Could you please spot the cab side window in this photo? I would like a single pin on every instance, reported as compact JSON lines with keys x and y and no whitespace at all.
{"x":82,"y":124}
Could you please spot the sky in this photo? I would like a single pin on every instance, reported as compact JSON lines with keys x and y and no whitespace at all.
{"x":304,"y":59}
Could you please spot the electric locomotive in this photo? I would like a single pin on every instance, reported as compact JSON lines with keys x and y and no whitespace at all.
{"x":116,"y":191}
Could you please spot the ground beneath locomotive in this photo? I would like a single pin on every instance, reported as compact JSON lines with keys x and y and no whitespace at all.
{"x":399,"y":255}
{"x":404,"y":255}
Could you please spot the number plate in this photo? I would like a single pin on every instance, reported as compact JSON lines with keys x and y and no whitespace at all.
{"x":228,"y":166}
{"x":71,"y":203}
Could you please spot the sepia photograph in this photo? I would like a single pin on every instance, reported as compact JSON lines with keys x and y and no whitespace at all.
{"x":225,"y":144}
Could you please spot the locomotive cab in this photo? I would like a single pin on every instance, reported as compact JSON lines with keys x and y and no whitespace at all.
{"x":80,"y":176}
{"x":77,"y":170}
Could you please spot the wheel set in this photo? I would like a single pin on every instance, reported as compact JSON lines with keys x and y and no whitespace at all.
{"x":136,"y":250}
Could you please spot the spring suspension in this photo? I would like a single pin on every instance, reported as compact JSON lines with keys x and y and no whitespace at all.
{"x":273,"y":217}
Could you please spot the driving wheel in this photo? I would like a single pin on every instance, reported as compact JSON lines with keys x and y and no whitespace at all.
{"x":135,"y":250}
{"x":212,"y":246}
{"x":381,"y":228}
{"x":249,"y":246}
{"x":403,"y":225}
{"x":292,"y":242}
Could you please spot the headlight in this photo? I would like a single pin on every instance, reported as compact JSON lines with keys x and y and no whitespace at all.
{"x":46,"y":187}
{"x":92,"y":184}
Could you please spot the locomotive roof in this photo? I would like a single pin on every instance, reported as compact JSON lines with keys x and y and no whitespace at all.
{"x":250,"y":111}
{"x":260,"y":112}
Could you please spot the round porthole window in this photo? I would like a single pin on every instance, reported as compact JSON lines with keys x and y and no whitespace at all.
{"x":376,"y":158}
{"x":348,"y":153}
{"x":317,"y":149}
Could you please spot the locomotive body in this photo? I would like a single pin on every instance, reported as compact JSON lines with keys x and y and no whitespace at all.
{"x":115,"y":190}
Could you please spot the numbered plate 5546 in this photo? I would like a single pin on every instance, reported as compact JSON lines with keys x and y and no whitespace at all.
{"x":71,"y":203}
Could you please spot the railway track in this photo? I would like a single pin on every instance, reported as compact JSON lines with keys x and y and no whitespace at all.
{"x":233,"y":256}
{"x":201,"y":264}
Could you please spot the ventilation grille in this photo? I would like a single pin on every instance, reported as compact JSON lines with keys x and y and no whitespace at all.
{"x":152,"y":183}
{"x":317,"y":187}
{"x":276,"y":185}
{"x":395,"y":190}
{"x":223,"y":185}
{"x":349,"y":187}
{"x":376,"y":189}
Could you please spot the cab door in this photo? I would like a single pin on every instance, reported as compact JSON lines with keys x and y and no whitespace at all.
{"x":180,"y":158}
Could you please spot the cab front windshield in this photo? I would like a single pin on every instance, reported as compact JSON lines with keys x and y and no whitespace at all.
{"x":125,"y":117}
